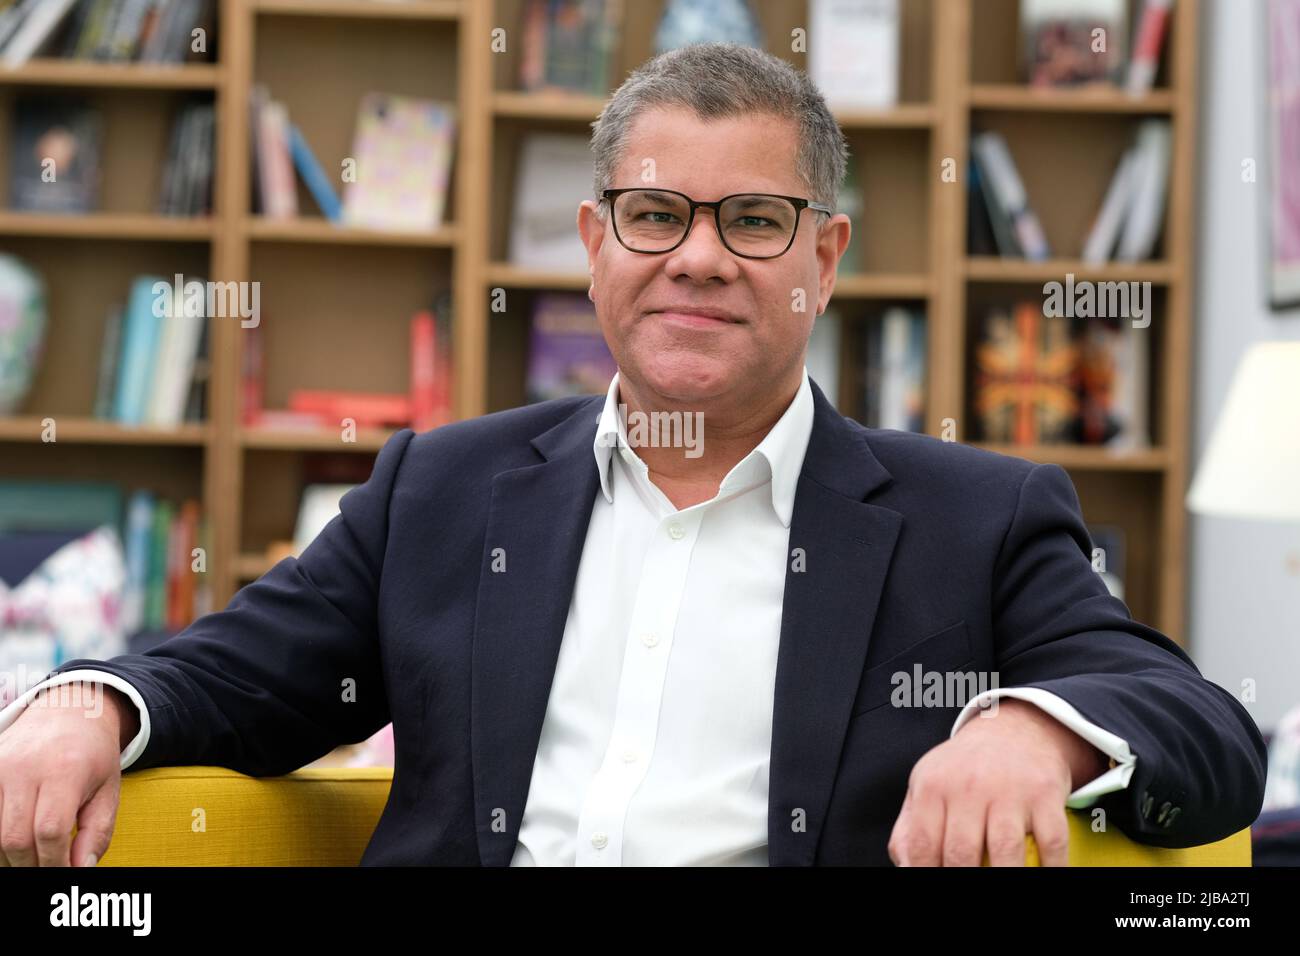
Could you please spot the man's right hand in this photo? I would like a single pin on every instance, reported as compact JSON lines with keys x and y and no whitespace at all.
{"x":59,"y":766}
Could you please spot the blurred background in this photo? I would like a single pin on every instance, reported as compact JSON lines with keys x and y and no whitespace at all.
{"x":244,"y":241}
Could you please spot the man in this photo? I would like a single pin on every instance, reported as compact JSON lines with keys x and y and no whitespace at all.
{"x":600,"y":651}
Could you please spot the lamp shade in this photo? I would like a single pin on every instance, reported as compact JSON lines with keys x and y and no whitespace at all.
{"x":1251,"y":467}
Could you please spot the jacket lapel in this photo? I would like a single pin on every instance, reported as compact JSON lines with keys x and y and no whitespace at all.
{"x":538,"y":518}
{"x":827,"y":617}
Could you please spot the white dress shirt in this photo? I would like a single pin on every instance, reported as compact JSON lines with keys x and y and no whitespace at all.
{"x":655,"y":745}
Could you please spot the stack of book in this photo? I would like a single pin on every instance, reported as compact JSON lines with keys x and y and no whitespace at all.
{"x":55,"y":162}
{"x":428,"y":402}
{"x":166,"y":563}
{"x":567,"y":45}
{"x":893,"y":371}
{"x":154,"y":363}
{"x":1001,"y":221}
{"x":1056,"y":379}
{"x":145,"y":31}
{"x":396,"y":177}
{"x":166,"y":583}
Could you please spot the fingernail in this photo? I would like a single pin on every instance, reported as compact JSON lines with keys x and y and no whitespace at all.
{"x":90,"y":860}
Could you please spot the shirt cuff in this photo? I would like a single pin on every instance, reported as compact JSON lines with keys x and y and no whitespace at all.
{"x":1122,"y":759}
{"x":137,"y":744}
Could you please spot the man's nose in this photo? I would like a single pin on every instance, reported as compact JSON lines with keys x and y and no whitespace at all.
{"x":703,"y":248}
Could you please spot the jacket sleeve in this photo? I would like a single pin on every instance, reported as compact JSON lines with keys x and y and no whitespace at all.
{"x":291,"y":668}
{"x":1200,"y":760}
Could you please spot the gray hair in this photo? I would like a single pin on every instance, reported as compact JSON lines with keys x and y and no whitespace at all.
{"x":719,"y":80}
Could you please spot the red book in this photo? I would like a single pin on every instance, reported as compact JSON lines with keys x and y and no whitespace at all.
{"x":367,"y":409}
{"x":424,"y":384}
{"x":250,"y":376}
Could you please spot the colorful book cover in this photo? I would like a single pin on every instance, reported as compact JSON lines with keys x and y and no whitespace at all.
{"x":54,"y":166}
{"x":1026,"y":377}
{"x":567,"y":354}
{"x":403,"y":151}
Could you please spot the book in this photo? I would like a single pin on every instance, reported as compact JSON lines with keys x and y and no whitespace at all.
{"x":555,"y":175}
{"x":1114,"y":209}
{"x":1146,"y":215}
{"x":251,"y":376}
{"x":1026,"y":379}
{"x":567,"y":45}
{"x":48,"y":505}
{"x":1072,"y":42}
{"x":403,"y":150}
{"x":1014,"y":221}
{"x":430,"y":371}
{"x":142,"y":332}
{"x":1153,"y":27}
{"x":367,"y":409}
{"x":55,"y":161}
{"x":318,"y":184}
{"x":276,"y":187}
{"x":173,"y":369}
{"x":902,"y":371}
{"x":108,"y":362}
{"x":853,"y":51}
{"x":139,"y":528}
{"x":1113,"y":368}
{"x":37,"y":25}
{"x":980,"y":237}
{"x":155,"y":608}
{"x":567,"y":354}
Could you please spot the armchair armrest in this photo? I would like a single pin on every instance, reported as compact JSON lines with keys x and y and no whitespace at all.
{"x":209,"y":816}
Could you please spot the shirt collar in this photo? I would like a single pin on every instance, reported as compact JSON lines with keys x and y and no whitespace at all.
{"x":782,"y":449}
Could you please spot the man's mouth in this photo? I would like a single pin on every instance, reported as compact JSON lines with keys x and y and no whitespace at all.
{"x":697,"y":318}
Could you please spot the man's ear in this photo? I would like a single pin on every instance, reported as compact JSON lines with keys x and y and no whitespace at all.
{"x":590,"y":228}
{"x":832,"y":239}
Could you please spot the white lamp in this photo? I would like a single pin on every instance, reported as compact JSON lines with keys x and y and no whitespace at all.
{"x":1251,"y":467}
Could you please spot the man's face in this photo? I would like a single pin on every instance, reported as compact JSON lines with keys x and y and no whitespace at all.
{"x":771,"y":303}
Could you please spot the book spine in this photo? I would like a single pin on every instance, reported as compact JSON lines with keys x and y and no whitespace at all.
{"x":423,"y":352}
{"x":313,"y":175}
{"x":1146,"y":50}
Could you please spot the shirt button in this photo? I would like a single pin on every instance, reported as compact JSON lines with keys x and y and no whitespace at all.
{"x":599,"y":840}
{"x":629,"y":756}
{"x":676,"y":532}
{"x":649,"y":639}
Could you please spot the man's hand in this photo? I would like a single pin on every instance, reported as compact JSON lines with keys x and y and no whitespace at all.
{"x":1001,"y":776}
{"x":59,"y":765}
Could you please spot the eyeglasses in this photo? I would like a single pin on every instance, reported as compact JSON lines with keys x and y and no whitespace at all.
{"x":752,"y":225}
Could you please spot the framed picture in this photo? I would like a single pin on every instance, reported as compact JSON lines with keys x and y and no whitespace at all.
{"x":1282,"y":206}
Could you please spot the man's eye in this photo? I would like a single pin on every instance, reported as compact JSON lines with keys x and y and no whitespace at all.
{"x":668,"y":217}
{"x":753,"y":222}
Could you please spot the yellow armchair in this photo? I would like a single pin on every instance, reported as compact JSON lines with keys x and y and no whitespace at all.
{"x":208,"y":816}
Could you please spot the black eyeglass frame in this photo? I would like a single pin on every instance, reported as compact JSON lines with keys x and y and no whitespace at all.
{"x":800,"y":204}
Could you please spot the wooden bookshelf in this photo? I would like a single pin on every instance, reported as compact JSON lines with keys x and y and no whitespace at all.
{"x":336,"y":301}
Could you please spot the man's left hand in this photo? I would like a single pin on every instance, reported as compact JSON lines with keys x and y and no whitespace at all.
{"x":1003,"y":775}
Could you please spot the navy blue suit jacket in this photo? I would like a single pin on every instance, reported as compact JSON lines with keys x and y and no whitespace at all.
{"x":917,"y":551}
